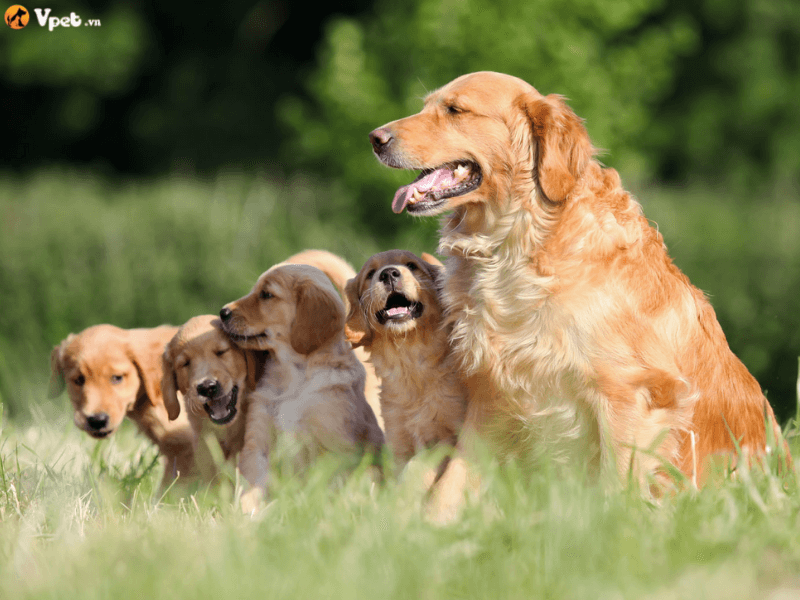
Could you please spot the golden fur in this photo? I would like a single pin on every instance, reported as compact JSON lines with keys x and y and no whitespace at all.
{"x":422,"y":397}
{"x":339,"y":272}
{"x":214,"y":377}
{"x":111,"y":373}
{"x":576,"y":330}
{"x":312,"y":389}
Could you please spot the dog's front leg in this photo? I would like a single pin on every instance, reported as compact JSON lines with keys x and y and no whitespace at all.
{"x":254,"y":457}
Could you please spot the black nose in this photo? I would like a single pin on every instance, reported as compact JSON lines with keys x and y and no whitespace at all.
{"x":389,"y":274}
{"x":97,"y":421}
{"x":380,"y":138}
{"x":225,"y":313}
{"x":208,"y":388}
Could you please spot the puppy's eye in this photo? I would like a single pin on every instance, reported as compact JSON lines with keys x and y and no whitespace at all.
{"x":116,"y":379}
{"x":79,"y":380}
{"x":186,"y":363}
{"x":265,"y":295}
{"x":453,"y":110}
{"x":411,"y":266}
{"x":221,"y":351}
{"x":370,"y":274}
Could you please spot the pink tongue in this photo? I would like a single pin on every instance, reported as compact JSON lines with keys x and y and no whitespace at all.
{"x":441,"y":177}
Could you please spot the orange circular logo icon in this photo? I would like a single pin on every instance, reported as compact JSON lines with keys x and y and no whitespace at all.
{"x":17,"y":17}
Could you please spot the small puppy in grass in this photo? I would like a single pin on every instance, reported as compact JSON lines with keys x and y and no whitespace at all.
{"x":396,"y":314}
{"x":312,"y":389}
{"x":215,"y":378}
{"x":339,"y":271}
{"x":112,"y":373}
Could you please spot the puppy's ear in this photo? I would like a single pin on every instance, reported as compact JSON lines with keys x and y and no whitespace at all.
{"x":563,"y":148}
{"x":255,"y":361}
{"x":57,"y":383}
{"x":431,"y":260}
{"x":319,"y":316}
{"x":356,"y":329}
{"x":169,"y":386}
{"x":146,"y":355}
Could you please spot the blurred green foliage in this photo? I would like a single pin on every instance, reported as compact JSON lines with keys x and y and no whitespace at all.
{"x":77,"y":250}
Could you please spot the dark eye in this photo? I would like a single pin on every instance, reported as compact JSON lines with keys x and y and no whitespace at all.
{"x":265,"y":295}
{"x":370,"y":274}
{"x":80,"y":380}
{"x":186,"y":363}
{"x":221,"y":352}
{"x":115,"y":379}
{"x":453,"y":110}
{"x":411,"y":266}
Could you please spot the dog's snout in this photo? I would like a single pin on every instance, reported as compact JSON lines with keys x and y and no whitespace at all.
{"x":208,"y":388}
{"x":97,"y":421}
{"x":225,"y":313}
{"x":380,"y":138}
{"x":389,"y":275}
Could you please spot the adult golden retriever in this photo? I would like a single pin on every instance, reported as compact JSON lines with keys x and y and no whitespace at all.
{"x":112,"y":373}
{"x":312,"y":389}
{"x":577,"y":331}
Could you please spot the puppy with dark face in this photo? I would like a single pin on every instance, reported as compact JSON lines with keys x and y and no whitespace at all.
{"x":312,"y":389}
{"x":396,"y":314}
{"x":111,"y":373}
{"x":214,"y":376}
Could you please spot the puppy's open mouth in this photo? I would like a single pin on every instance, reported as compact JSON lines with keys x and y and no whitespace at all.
{"x":399,"y":308}
{"x":432,"y":187}
{"x":222,"y":409}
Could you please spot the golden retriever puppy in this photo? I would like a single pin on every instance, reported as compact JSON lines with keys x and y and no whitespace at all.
{"x":214,"y":376}
{"x":576,"y":330}
{"x":111,"y":373}
{"x":339,"y":272}
{"x":395,"y":313}
{"x":312,"y":389}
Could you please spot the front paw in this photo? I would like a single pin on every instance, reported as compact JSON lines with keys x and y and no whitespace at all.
{"x":252,"y":500}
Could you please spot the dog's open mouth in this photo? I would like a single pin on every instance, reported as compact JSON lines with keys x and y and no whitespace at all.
{"x":240,"y":337}
{"x":399,"y":308}
{"x":433,"y":186}
{"x":222,"y":409}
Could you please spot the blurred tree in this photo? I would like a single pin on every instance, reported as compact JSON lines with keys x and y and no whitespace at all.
{"x":612,"y":59}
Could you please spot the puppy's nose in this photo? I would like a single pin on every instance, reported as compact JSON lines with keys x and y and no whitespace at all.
{"x":97,"y":421}
{"x":225,"y":313}
{"x":380,"y":138}
{"x":208,"y":388}
{"x":389,"y":275}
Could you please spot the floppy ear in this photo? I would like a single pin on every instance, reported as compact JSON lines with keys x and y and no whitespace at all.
{"x":356,"y":329}
{"x":319,"y":316}
{"x":431,"y":260}
{"x":57,"y":383}
{"x":255,"y":361}
{"x":169,"y":386}
{"x":563,"y":148}
{"x":147,"y":358}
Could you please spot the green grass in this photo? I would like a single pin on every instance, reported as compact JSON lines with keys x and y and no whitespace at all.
{"x":82,"y":519}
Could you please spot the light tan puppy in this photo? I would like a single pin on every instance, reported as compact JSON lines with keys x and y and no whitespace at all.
{"x":111,"y":373}
{"x":312,"y":389}
{"x":578,"y":332}
{"x":395,"y":313}
{"x":339,"y":272}
{"x":215,"y":378}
